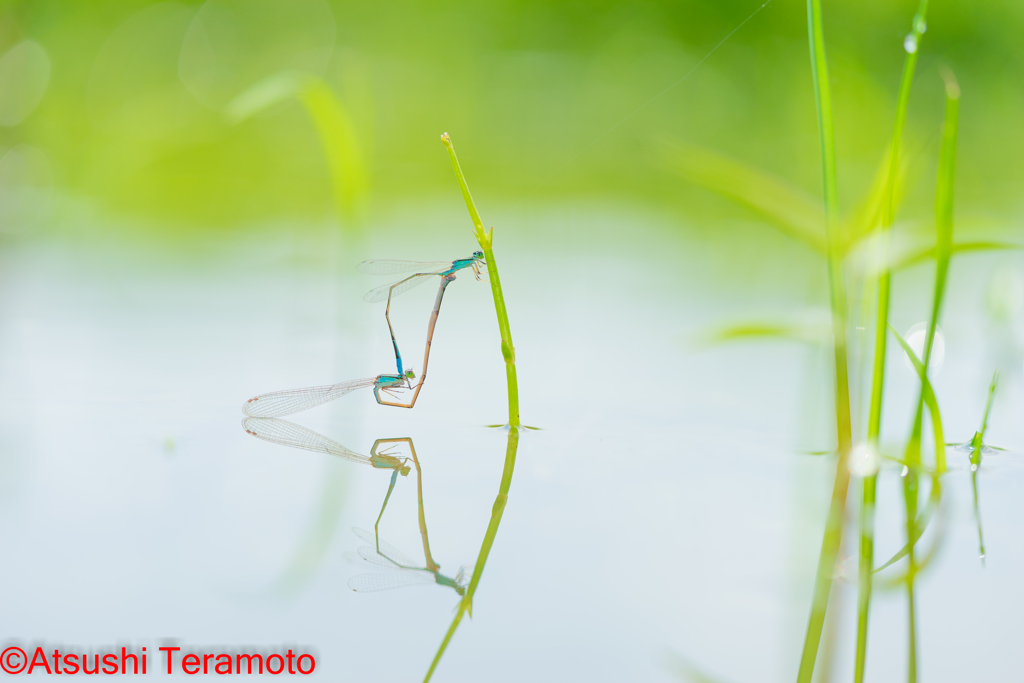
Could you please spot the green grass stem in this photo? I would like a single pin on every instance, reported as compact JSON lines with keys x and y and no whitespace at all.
{"x":508,"y":354}
{"x":485,"y":239}
{"x":870,"y":484}
{"x":920,"y":523}
{"x":943,"y":253}
{"x":837,"y":294}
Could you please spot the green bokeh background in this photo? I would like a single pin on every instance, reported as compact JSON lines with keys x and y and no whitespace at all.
{"x":534,"y":94}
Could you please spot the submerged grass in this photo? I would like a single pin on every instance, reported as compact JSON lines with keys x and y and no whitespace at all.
{"x":484,"y":238}
{"x":832,"y":539}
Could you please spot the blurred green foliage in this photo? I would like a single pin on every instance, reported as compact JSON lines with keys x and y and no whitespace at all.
{"x":122,"y":102}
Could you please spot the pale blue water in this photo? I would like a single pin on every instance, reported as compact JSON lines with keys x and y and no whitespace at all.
{"x":666,"y":504}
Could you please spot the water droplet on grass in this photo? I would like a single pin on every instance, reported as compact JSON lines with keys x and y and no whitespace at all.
{"x":905,"y":472}
{"x":920,"y":25}
{"x":910,"y":43}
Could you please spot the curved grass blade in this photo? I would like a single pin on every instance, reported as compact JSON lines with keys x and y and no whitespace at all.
{"x":290,"y":401}
{"x":789,"y":210}
{"x":809,"y":332}
{"x":928,"y":395}
{"x":920,"y":525}
{"x":333,"y":123}
{"x":903,"y":260}
{"x":926,"y":559}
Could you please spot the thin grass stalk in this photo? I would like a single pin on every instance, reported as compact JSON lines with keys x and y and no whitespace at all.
{"x":484,"y":238}
{"x":512,"y":447}
{"x":837,"y":293}
{"x":977,"y":444}
{"x":943,"y":251}
{"x":870,"y":485}
{"x":939,"y":440}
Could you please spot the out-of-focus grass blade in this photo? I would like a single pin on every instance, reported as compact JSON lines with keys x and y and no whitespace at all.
{"x":935,"y":498}
{"x":333,"y":124}
{"x":929,"y":400}
{"x":901,"y":579}
{"x":868,"y":216}
{"x":920,"y":524}
{"x":806,"y":332}
{"x":265,"y":94}
{"x":909,"y":257}
{"x":789,"y":209}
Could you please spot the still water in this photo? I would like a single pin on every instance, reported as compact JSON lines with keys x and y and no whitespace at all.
{"x":666,"y":505}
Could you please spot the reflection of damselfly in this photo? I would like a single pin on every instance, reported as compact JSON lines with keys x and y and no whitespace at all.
{"x":288,"y":433}
{"x":404,"y":571}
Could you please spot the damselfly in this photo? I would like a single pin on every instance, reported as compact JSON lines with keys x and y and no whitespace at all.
{"x":291,"y":401}
{"x":422,"y":271}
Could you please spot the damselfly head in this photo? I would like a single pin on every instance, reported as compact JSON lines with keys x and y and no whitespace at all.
{"x":478,"y":255}
{"x":409,"y":374}
{"x":405,"y":471}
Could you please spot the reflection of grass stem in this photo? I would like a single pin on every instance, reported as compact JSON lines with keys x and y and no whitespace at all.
{"x":867,"y":513}
{"x":508,"y":353}
{"x":837,"y":293}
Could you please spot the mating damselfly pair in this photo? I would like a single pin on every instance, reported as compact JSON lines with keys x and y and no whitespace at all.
{"x":291,"y":401}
